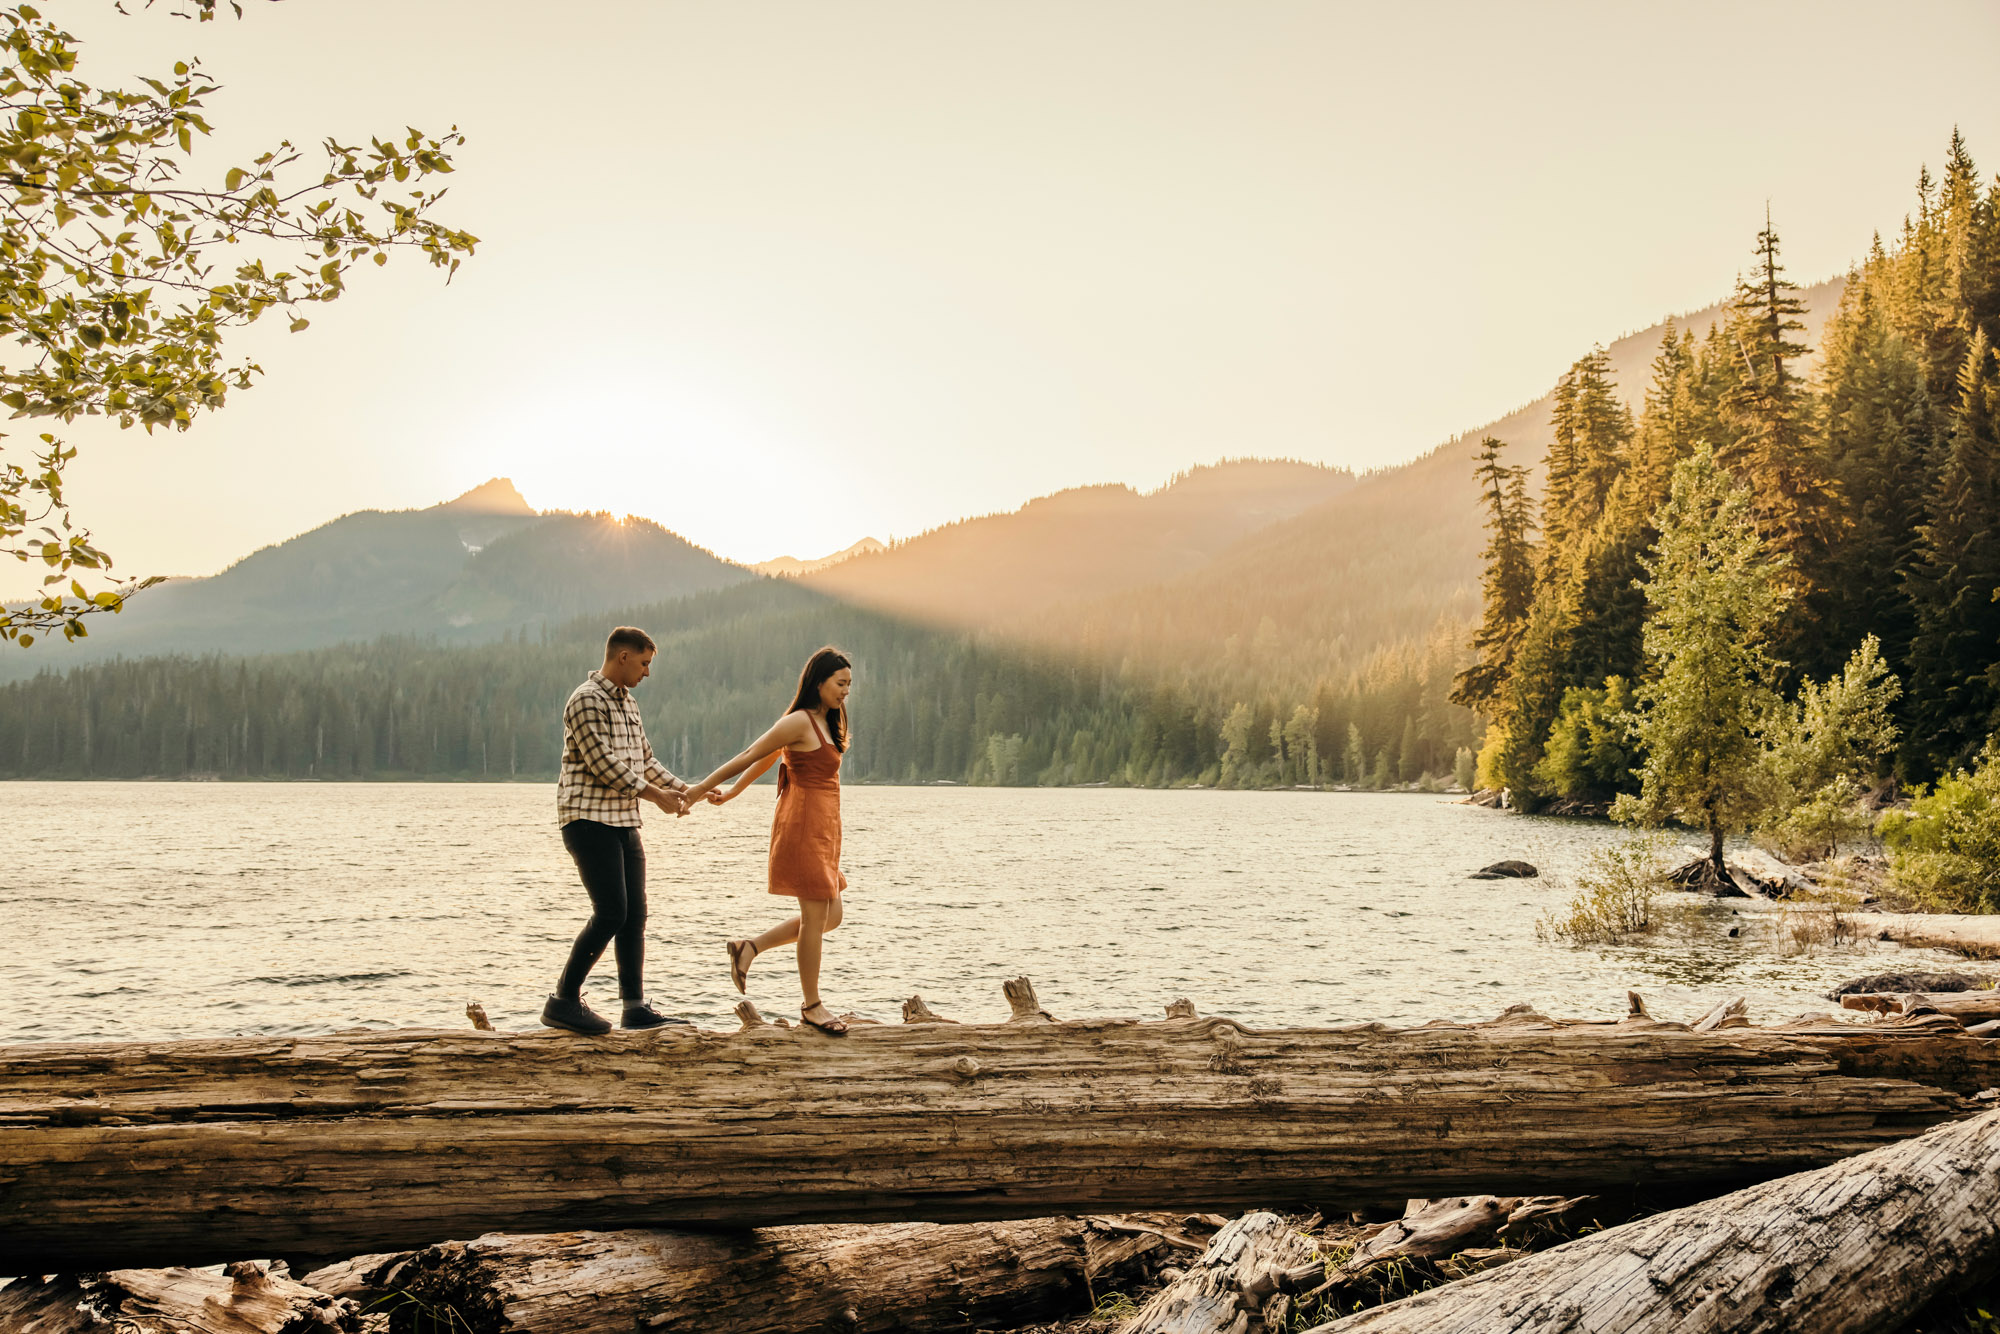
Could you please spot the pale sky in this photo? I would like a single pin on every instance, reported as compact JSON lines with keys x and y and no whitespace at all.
{"x":779,"y":275}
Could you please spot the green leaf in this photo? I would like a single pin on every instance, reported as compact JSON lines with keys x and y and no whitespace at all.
{"x":300,"y":323}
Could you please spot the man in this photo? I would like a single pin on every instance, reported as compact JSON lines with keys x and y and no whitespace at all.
{"x":608,"y":768}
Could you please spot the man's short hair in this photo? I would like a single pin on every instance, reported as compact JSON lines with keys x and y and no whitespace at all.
{"x":629,"y":636}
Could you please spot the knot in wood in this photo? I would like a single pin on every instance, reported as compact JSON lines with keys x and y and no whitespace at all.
{"x":965,"y":1067}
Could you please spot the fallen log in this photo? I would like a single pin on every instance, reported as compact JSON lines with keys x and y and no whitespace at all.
{"x":246,"y":1298}
{"x":149,"y":1153}
{"x":1968,"y":1007}
{"x":1976,"y":936}
{"x":1236,"y":1280}
{"x":1851,"y":1247}
{"x":788,"y":1280}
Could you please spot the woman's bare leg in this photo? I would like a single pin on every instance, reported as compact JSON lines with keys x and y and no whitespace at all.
{"x":812,"y":930}
{"x":795,"y":930}
{"x":784,"y":933}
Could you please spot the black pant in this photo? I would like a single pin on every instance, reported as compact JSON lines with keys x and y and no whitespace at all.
{"x":612,"y":862}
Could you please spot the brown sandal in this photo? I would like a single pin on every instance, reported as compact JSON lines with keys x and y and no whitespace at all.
{"x":832,"y":1027}
{"x":739,"y":967}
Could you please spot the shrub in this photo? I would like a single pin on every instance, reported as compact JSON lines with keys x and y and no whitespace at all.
{"x":1615,"y":897}
{"x":1945,"y":849}
{"x":1814,"y":829}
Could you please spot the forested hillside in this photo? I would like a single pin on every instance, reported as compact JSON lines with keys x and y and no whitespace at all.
{"x":928,"y":704}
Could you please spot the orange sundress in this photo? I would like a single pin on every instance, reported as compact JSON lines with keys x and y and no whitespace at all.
{"x":805,"y":833}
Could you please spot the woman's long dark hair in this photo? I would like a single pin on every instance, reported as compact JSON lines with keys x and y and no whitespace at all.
{"x":819,"y":667}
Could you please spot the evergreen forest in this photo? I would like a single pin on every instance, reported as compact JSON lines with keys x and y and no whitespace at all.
{"x":1872,"y":484}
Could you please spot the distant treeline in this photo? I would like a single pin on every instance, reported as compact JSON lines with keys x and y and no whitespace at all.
{"x":929,"y":705}
{"x":1874,"y":484}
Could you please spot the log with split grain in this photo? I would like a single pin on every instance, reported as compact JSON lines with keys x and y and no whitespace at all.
{"x":1237,"y":1281}
{"x":148,"y":1153}
{"x":1859,"y":1245}
{"x":788,"y":1280}
{"x":246,"y":1298}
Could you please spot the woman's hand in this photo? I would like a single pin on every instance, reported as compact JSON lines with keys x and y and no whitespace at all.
{"x":718,"y":797}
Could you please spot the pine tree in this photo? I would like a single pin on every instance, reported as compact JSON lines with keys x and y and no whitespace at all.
{"x":1509,"y":582}
{"x":1669,"y":422}
{"x":1564,"y":466}
{"x":1770,"y":446}
{"x":1714,"y":591}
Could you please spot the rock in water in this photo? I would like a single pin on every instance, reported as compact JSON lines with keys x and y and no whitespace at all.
{"x":1905,"y":982}
{"x":1507,"y":870}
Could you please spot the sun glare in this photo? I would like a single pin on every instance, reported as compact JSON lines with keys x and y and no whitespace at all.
{"x":642,"y":447}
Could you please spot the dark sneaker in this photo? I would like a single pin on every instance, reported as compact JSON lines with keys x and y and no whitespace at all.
{"x":575,"y":1016}
{"x":645,"y":1016}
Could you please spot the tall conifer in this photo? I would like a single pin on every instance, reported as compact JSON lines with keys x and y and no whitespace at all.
{"x":1771,"y":447}
{"x":1509,"y":582}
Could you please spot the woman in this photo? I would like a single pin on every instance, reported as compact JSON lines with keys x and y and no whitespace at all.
{"x":805,"y":834}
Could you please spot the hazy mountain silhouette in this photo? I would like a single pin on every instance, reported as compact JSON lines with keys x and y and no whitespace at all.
{"x":470,"y":569}
{"x":790,"y":567}
{"x":1089,"y":541}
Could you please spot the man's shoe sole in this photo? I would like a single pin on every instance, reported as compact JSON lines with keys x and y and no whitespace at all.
{"x":572,"y":1028}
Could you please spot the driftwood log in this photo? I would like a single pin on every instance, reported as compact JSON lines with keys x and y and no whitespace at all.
{"x":1968,"y":1007}
{"x":149,"y":1153}
{"x":861,"y":1279}
{"x":1852,"y":1247}
{"x":246,"y":1298}
{"x":1236,"y":1281}
{"x":1976,"y":936}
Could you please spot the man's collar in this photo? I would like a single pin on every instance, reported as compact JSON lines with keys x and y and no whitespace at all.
{"x":612,"y":687}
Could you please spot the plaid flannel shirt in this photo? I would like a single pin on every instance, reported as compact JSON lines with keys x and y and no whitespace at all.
{"x":606,"y":758}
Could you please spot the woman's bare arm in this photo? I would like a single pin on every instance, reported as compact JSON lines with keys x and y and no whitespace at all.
{"x":748,"y":776}
{"x":787,"y":731}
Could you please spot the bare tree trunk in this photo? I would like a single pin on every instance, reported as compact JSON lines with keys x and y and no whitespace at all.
{"x":1844,"y":1249}
{"x":1715,"y":860}
{"x":244,"y":1299}
{"x":133,"y":1154}
{"x":788,"y":1280}
{"x":1233,"y":1283}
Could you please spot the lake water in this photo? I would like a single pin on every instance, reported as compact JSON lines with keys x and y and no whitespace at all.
{"x":142,"y":910}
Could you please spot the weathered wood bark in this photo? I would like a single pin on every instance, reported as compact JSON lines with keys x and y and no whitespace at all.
{"x":130,"y":1154}
{"x":892,"y":1276}
{"x":1969,"y":1007}
{"x":1844,"y":1249}
{"x":244,"y":1299}
{"x":1235,"y":1281}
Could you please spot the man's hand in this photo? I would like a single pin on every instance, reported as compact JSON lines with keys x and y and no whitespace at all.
{"x":670,"y":802}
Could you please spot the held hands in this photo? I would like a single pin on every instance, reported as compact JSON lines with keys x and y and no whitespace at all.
{"x":673,"y":803}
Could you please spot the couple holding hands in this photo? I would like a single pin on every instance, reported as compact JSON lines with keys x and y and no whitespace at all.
{"x":608,"y":768}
